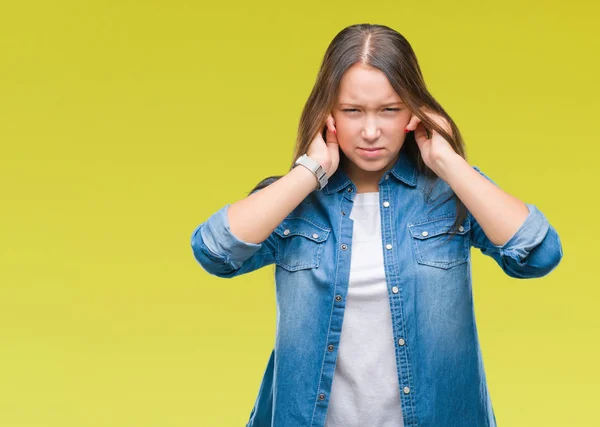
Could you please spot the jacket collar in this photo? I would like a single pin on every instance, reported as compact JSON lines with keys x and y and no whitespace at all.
{"x":404,"y":170}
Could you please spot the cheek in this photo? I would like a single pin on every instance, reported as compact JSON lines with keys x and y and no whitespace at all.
{"x":344,"y":143}
{"x":347,"y":129}
{"x":400,"y":123}
{"x":346,"y":137}
{"x":342,"y":124}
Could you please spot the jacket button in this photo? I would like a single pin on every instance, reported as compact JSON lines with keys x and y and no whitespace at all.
{"x":386,"y":204}
{"x":388,"y":246}
{"x":401,"y":341}
{"x":406,"y":390}
{"x":286,"y":232}
{"x":424,"y":234}
{"x":395,"y":289}
{"x":315,"y":236}
{"x":338,"y":298}
{"x":350,"y":190}
{"x":461,"y":228}
{"x":330,"y":347}
{"x":321,"y":396}
{"x":387,"y":176}
{"x":344,"y":247}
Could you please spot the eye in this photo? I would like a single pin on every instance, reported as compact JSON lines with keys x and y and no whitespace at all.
{"x":353,"y":110}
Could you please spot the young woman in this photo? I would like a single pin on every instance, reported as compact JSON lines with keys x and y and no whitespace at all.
{"x":372,"y":229}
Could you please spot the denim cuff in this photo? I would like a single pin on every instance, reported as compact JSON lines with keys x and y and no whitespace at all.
{"x":219,"y":240}
{"x":527,"y":237}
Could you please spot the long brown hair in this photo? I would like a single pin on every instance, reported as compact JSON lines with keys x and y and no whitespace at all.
{"x":383,"y":48}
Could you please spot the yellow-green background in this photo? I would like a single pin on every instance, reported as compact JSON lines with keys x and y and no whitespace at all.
{"x":125,"y":124}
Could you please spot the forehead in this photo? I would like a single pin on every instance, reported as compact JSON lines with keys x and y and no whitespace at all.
{"x":365,"y":84}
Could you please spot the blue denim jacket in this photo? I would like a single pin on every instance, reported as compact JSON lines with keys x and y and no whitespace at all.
{"x":439,"y":363}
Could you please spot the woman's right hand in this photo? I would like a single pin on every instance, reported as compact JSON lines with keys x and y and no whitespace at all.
{"x":326,"y":152}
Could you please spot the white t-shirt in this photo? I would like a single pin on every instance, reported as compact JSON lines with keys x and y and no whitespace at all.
{"x":365,"y":389}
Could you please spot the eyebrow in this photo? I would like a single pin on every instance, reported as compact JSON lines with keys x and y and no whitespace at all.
{"x":383,"y":105}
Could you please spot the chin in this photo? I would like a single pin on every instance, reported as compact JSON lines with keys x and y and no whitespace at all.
{"x":368,"y":165}
{"x":372,"y":165}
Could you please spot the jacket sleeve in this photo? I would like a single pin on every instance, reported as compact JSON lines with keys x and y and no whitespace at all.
{"x":533,"y":251}
{"x":223,"y":254}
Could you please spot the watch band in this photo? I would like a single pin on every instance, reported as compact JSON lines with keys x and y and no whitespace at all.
{"x":315,"y":168}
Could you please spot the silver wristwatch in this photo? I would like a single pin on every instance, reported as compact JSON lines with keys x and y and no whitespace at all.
{"x":315,"y":168}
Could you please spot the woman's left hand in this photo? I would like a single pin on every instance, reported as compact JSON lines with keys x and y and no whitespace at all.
{"x":435,"y":148}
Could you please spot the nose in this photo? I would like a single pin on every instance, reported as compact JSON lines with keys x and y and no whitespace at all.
{"x":370,"y":130}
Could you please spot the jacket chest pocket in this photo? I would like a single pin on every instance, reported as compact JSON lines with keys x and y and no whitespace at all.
{"x":433,"y":244}
{"x":300,"y":243}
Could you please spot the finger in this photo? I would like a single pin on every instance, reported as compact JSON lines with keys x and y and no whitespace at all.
{"x":333,"y":148}
{"x":438,"y":119}
{"x":420,"y":133}
{"x":413,"y":123}
{"x":331,"y":134}
{"x":331,"y":123}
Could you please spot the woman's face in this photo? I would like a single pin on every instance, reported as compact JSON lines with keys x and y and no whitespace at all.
{"x":369,"y":115}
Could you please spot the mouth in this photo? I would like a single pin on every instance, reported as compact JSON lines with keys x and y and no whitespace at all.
{"x":370,"y":152}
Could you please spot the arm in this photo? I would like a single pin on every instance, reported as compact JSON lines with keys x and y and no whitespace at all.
{"x":238,"y":238}
{"x":498,"y":213}
{"x":517,"y":235}
{"x":254,"y":218}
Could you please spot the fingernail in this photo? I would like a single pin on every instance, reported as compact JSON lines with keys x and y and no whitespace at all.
{"x":406,"y":130}
{"x":334,"y":131}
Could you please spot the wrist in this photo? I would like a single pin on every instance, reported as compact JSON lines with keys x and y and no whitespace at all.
{"x":445,"y":166}
{"x":326,"y":165}
{"x":315,"y":168}
{"x":307,"y":176}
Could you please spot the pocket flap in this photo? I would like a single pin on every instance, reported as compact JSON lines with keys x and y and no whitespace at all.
{"x":299,"y":226}
{"x":431,"y":227}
